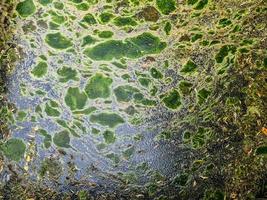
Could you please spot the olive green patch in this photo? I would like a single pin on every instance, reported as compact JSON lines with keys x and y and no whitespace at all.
{"x":124,"y":21}
{"x":189,"y":67}
{"x":172,"y":99}
{"x":109,"y":137}
{"x":125,"y":93}
{"x":13,"y":149}
{"x":26,"y":8}
{"x":51,"y":109}
{"x":62,"y":139}
{"x":45,"y":2}
{"x":107,"y":119}
{"x":105,"y":34}
{"x":66,"y":74}
{"x":57,"y":41}
{"x":98,"y":86}
{"x":75,"y":99}
{"x":166,"y":6}
{"x":40,"y":69}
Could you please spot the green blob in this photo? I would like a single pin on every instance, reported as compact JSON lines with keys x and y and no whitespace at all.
{"x":83,"y":6}
{"x":89,"y":19}
{"x":40,"y":69}
{"x":13,"y":149}
{"x":107,"y":119}
{"x":196,"y":37}
{"x":106,"y":17}
{"x":58,"y":19}
{"x":124,"y":21}
{"x":166,"y":6}
{"x":189,"y":67}
{"x":21,"y":115}
{"x":86,"y":111}
{"x":87,"y":40}
{"x":224,"y":52}
{"x":156,"y":73}
{"x":144,"y":82}
{"x":172,"y":99}
{"x":95,"y":131}
{"x":134,"y":47}
{"x":185,"y":87}
{"x":225,"y":22}
{"x":119,"y":65}
{"x":62,"y":139}
{"x":168,"y":28}
{"x":26,"y":8}
{"x":201,"y":4}
{"x":261,"y":150}
{"x":59,"y":5}
{"x":75,"y":99}
{"x":98,"y":86}
{"x":125,"y":93}
{"x":57,"y":41}
{"x":67,"y":74}
{"x":47,"y":138}
{"x":109,"y":137}
{"x":50,"y":109}
{"x":105,"y":34}
{"x":45,"y":2}
{"x":114,"y":157}
{"x":192,"y":2}
{"x":203,"y":95}
{"x":127,"y":154}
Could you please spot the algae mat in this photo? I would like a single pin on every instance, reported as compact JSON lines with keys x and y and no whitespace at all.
{"x":124,"y":97}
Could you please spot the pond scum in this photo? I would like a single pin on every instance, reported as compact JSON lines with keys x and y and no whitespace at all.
{"x":193,"y":69}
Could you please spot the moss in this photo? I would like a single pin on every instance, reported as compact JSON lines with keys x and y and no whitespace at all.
{"x":168,"y":28}
{"x":156,"y":73}
{"x":45,"y":2}
{"x":66,"y":74}
{"x":47,"y":138}
{"x":109,"y":137}
{"x":75,"y":99}
{"x":40,"y":69}
{"x":105,"y":34}
{"x":107,"y":119}
{"x":114,"y":157}
{"x":166,"y":6}
{"x":62,"y":139}
{"x":125,"y":93}
{"x":13,"y":149}
{"x":89,"y":19}
{"x":224,"y":51}
{"x":128,"y":153}
{"x":124,"y":21}
{"x":88,"y":40}
{"x":172,"y":99}
{"x":26,"y":8}
{"x":189,"y":67}
{"x":98,"y":86}
{"x":57,"y":41}
{"x":185,"y":87}
{"x":51,"y":109}
{"x":50,"y":167}
{"x":105,"y":17}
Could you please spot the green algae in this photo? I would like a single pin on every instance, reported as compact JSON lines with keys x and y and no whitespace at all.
{"x":166,"y":6}
{"x":115,"y":158}
{"x":40,"y":69}
{"x":86,"y":111}
{"x":89,"y":19}
{"x":21,"y":115}
{"x":196,"y":37}
{"x":51,"y":109}
{"x":98,"y":86}
{"x":105,"y":17}
{"x":135,"y":47}
{"x":75,"y":99}
{"x":13,"y":149}
{"x":58,"y":5}
{"x":45,"y":2}
{"x":224,"y":22}
{"x":83,"y":6}
{"x":66,"y":74}
{"x":125,"y":93}
{"x":172,"y":99}
{"x":145,"y":82}
{"x":262,"y":150}
{"x":57,"y":41}
{"x":155,"y":73}
{"x":105,"y":34}
{"x":224,"y":52}
{"x":56,"y":18}
{"x":168,"y":28}
{"x":119,"y":65}
{"x":124,"y":21}
{"x":88,"y":40}
{"x":107,"y":119}
{"x":109,"y":137}
{"x":128,"y":153}
{"x":62,"y":139}
{"x":185,"y":87}
{"x":189,"y":67}
{"x":47,"y":138}
{"x":201,"y":4}
{"x":26,"y":8}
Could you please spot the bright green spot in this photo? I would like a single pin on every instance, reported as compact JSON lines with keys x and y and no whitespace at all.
{"x":172,"y":99}
{"x":98,"y":86}
{"x":166,"y":6}
{"x":144,"y":81}
{"x":58,"y":41}
{"x":62,"y":139}
{"x":26,"y":8}
{"x":196,"y":37}
{"x":13,"y":149}
{"x":107,"y":119}
{"x":124,"y":21}
{"x":135,"y":47}
{"x":109,"y":137}
{"x":189,"y":67}
{"x":40,"y":69}
{"x":66,"y":74}
{"x":75,"y":99}
{"x":105,"y":34}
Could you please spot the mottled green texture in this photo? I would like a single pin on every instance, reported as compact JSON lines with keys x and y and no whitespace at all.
{"x":98,"y":86}
{"x":201,"y":4}
{"x":57,"y":41}
{"x":62,"y":139}
{"x":109,"y":137}
{"x":13,"y":149}
{"x":105,"y":34}
{"x":156,"y":73}
{"x":26,"y":8}
{"x":66,"y":74}
{"x":203,"y":95}
{"x":89,"y":19}
{"x":135,"y":47}
{"x":189,"y":67}
{"x":224,"y":51}
{"x":45,"y":2}
{"x":172,"y":99}
{"x":87,"y":40}
{"x":125,"y":93}
{"x":51,"y":109}
{"x":125,"y":21}
{"x":47,"y":138}
{"x":40,"y":69}
{"x":75,"y":99}
{"x":106,"y":17}
{"x":107,"y":119}
{"x":166,"y":6}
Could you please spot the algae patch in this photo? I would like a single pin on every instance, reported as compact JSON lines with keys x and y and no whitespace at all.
{"x":57,"y":41}
{"x":13,"y":149}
